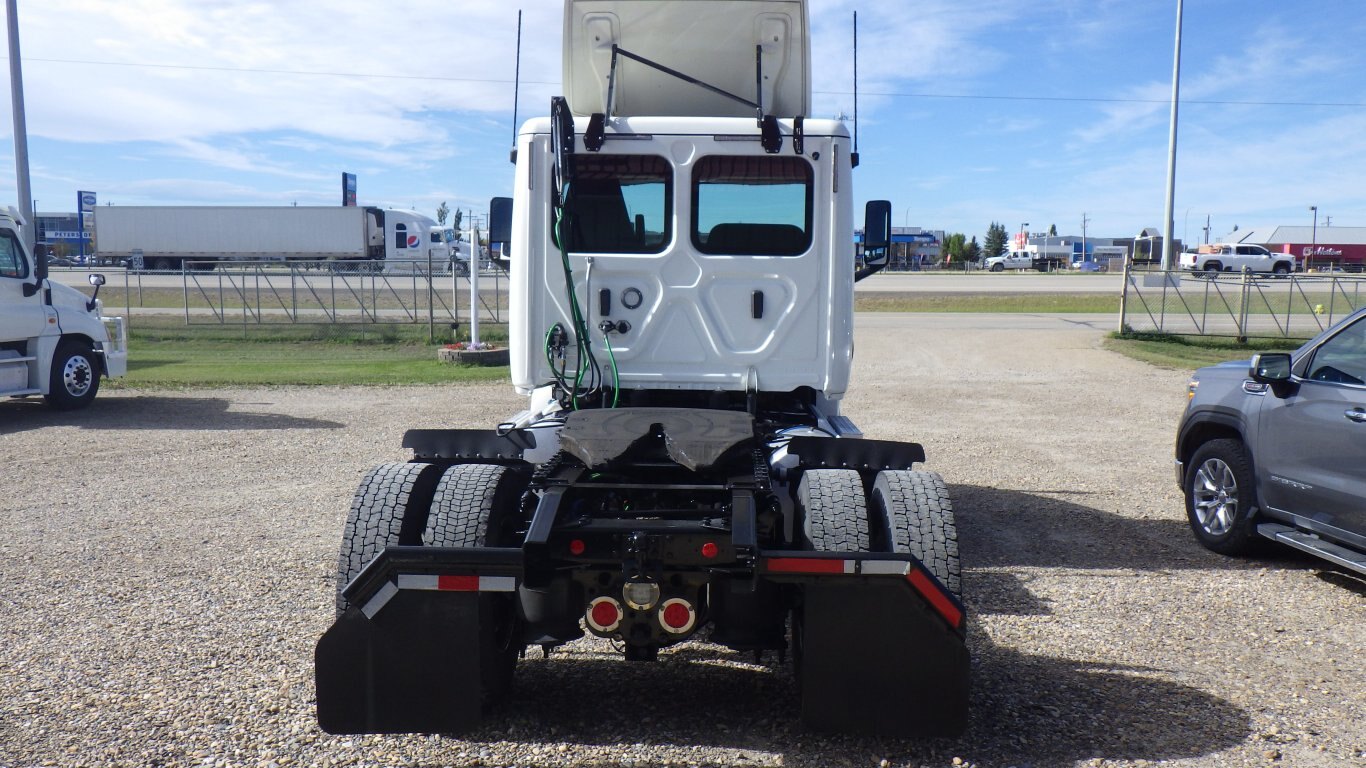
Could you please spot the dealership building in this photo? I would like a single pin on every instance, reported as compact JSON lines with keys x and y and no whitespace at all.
{"x":1312,"y":247}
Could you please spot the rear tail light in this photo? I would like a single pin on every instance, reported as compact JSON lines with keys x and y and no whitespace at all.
{"x":604,"y":615}
{"x":677,"y":616}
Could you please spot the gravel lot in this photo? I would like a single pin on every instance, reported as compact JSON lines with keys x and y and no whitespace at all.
{"x":168,"y":560}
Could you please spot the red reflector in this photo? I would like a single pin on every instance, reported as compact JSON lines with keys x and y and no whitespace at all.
{"x":676,"y":615}
{"x":450,"y":583}
{"x":804,"y":565}
{"x":709,"y":550}
{"x":938,"y":599}
{"x":605,"y":614}
{"x":576,"y":546}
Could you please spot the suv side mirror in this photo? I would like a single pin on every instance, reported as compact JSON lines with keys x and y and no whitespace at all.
{"x":877,"y":237}
{"x":1270,"y":367}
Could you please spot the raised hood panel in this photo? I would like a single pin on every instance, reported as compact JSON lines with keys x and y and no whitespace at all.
{"x":711,"y":40}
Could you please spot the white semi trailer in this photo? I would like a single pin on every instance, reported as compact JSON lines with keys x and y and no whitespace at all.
{"x":682,"y":275}
{"x":165,"y":238}
{"x":53,"y":340}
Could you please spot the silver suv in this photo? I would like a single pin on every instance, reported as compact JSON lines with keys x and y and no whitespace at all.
{"x":1275,"y":449}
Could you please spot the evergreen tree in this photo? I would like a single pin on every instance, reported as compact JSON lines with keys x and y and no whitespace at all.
{"x":1052,"y":230}
{"x":997,"y":239}
{"x":972,"y":251}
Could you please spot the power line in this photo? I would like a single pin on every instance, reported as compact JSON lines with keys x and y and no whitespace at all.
{"x":895,"y":94}
{"x":254,"y":70}
{"x":1103,"y":100}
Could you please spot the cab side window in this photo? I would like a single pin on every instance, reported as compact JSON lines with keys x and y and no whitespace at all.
{"x":1341,"y":359}
{"x":12,"y":262}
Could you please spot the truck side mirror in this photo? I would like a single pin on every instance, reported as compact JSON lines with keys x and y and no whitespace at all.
{"x":877,"y":237}
{"x":500,"y":228}
{"x":96,"y":280}
{"x":877,"y":225}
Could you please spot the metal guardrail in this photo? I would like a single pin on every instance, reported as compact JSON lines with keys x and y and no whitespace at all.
{"x":1240,"y":305}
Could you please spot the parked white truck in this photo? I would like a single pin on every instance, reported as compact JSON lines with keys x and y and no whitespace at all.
{"x":1053,"y":257}
{"x":166,"y":238}
{"x":53,"y":340}
{"x":681,"y":251}
{"x":1234,"y":257}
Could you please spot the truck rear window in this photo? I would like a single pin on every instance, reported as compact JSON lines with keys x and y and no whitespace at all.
{"x":620,"y":204}
{"x":753,"y":206}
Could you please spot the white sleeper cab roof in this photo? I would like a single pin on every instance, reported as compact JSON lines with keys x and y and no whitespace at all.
{"x":729,"y":44}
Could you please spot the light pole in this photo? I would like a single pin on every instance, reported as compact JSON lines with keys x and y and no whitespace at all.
{"x":1313,"y":237}
{"x":1167,"y":223}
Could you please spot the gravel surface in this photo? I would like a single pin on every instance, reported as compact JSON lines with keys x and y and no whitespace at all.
{"x":168,"y":560}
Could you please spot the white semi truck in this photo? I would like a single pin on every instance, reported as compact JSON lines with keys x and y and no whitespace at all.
{"x":682,"y":274}
{"x":53,"y":340}
{"x":165,"y":238}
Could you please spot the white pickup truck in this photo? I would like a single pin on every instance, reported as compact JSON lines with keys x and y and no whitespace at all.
{"x":1234,"y":257}
{"x":1023,"y":260}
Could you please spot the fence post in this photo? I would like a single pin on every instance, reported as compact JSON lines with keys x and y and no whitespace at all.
{"x":1124,"y":298}
{"x":1242,"y":306}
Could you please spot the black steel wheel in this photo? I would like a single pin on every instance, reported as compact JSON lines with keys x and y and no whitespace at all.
{"x":918,"y":515}
{"x":1221,"y":498}
{"x":74,"y":377}
{"x":835,"y":512}
{"x":389,"y":508}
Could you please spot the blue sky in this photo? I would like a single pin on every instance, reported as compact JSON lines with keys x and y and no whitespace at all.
{"x":970,"y":112}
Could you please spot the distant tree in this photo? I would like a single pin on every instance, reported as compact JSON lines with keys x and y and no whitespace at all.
{"x":972,"y":252}
{"x":953,"y":247}
{"x":1052,"y":230}
{"x":442,"y":212}
{"x":456,"y":218}
{"x":995,"y":244}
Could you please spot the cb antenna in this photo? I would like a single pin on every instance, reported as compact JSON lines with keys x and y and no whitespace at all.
{"x":853,"y":156}
{"x":516,"y":87}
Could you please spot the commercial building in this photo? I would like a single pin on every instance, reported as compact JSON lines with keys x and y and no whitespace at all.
{"x":1312,"y":247}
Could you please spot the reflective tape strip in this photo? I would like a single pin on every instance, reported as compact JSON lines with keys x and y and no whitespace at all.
{"x":379,"y":599}
{"x":938,"y":600}
{"x":809,"y":565}
{"x":885,"y":567}
{"x":448,"y":582}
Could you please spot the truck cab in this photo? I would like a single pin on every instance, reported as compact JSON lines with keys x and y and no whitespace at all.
{"x":54,"y":341}
{"x":681,"y":262}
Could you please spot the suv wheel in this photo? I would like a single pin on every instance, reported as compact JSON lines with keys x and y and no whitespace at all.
{"x":1221,"y":498}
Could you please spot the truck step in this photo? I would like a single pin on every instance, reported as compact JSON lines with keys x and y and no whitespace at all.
{"x":1308,"y":542}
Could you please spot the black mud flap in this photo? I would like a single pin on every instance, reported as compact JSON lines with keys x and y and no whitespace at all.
{"x":414,"y":652}
{"x":413,"y":668}
{"x":877,"y":659}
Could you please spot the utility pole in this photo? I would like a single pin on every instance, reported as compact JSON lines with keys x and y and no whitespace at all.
{"x":16,"y":89}
{"x":1168,"y":224}
{"x":1084,"y":221}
